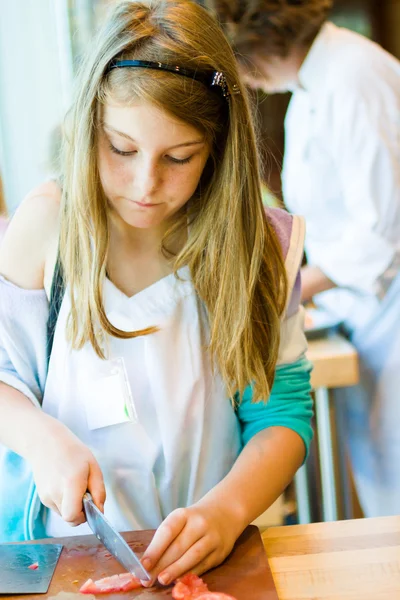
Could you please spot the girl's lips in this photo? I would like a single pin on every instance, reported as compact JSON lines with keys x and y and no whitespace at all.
{"x":144,"y":205}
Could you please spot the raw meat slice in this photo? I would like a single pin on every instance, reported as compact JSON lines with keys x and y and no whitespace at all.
{"x":214,"y":596}
{"x":116,"y":583}
{"x":191,"y":587}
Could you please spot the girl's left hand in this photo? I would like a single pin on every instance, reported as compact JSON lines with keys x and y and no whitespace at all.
{"x":191,"y":539}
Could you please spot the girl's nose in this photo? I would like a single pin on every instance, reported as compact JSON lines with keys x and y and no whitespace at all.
{"x":146,"y":179}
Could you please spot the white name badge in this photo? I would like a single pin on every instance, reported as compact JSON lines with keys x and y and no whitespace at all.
{"x":107,"y":396}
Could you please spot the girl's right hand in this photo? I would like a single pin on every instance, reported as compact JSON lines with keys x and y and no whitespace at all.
{"x":63,"y":470}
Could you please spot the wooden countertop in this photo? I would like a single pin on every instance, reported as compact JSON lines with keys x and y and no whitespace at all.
{"x":343,"y":560}
{"x":335,"y":362}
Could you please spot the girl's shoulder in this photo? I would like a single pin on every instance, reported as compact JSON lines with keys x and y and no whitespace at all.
{"x":31,"y":237}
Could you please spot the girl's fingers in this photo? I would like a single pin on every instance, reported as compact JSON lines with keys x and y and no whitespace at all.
{"x":72,"y":501}
{"x":52,"y":504}
{"x":186,"y":540}
{"x":167,"y":532}
{"x":205,"y":565}
{"x":95,"y":485}
{"x":200,"y":553}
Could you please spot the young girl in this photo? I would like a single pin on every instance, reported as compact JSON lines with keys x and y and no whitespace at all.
{"x":179,"y":309}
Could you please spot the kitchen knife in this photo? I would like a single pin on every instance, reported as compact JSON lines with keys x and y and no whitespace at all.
{"x":112,"y":540}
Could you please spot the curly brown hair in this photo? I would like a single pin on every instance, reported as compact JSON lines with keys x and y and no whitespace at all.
{"x":272,"y":27}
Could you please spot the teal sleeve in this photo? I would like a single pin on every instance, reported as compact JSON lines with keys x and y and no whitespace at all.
{"x":290,"y":404}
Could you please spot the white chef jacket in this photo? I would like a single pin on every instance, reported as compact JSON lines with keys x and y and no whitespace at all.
{"x":342,"y":172}
{"x":342,"y":165}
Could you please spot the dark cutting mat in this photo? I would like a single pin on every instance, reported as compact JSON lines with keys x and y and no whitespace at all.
{"x":15,"y":575}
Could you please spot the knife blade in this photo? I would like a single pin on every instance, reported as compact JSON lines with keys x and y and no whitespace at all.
{"x":112,"y":540}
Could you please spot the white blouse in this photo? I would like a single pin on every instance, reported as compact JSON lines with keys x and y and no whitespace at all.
{"x":155,"y":415}
{"x":342,"y":163}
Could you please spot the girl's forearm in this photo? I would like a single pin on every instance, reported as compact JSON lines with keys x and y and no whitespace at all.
{"x":262,"y":471}
{"x":21,"y":423}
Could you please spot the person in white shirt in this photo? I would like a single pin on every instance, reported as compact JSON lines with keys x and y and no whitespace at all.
{"x":342,"y":172}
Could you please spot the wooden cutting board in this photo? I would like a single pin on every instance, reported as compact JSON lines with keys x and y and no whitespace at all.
{"x":245,"y":574}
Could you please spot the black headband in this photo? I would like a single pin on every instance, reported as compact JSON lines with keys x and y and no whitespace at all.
{"x":215,"y":80}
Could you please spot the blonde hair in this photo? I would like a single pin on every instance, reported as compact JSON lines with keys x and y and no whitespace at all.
{"x":233,"y":254}
{"x":270,"y":27}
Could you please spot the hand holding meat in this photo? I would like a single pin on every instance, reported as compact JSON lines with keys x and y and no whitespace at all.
{"x":193,"y":539}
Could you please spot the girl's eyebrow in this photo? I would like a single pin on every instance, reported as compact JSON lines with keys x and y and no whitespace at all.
{"x":128,"y":137}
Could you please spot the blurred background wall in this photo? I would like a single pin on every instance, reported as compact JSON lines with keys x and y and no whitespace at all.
{"x":35,"y":81}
